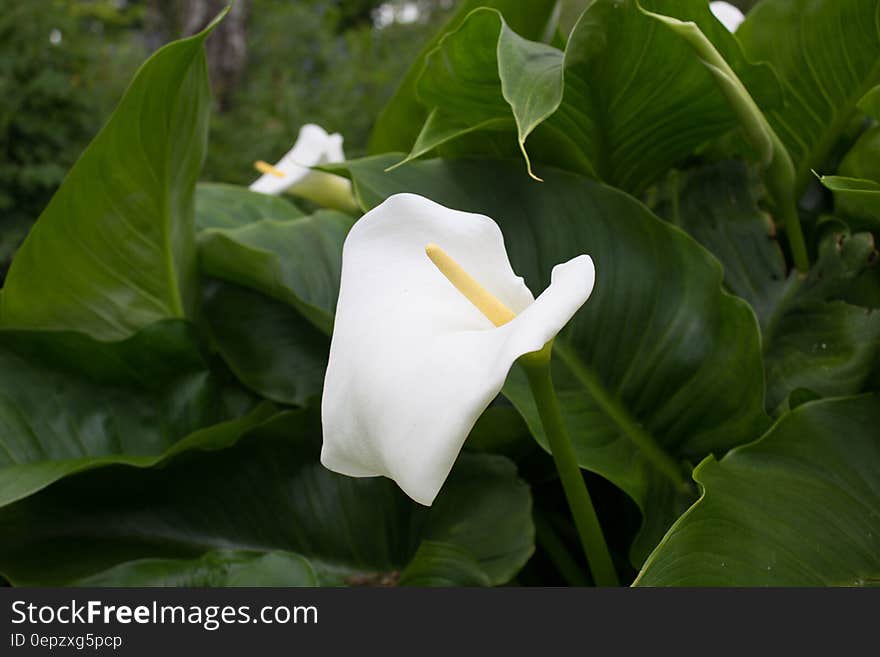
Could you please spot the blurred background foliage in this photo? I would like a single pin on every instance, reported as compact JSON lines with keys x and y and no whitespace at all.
{"x":275,"y":64}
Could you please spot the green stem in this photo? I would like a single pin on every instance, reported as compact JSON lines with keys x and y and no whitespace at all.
{"x":537,"y":367}
{"x":676,"y":203}
{"x":792,"y":223}
{"x":780,"y":180}
{"x":611,"y":407}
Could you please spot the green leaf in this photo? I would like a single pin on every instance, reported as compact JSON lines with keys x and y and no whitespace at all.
{"x":399,"y":123}
{"x":230,"y":206}
{"x":443,"y":564}
{"x":796,"y":508}
{"x":482,"y":73}
{"x":457,"y":137}
{"x":296,"y":261}
{"x":69,"y":403}
{"x":857,"y":187}
{"x":215,"y":568}
{"x":863,"y":159}
{"x":114,"y":251}
{"x":828,"y":348}
{"x":827,"y":54}
{"x":718,"y":205}
{"x":608,"y":110}
{"x":811,"y":338}
{"x":269,"y":346}
{"x":864,"y":290}
{"x":658,"y":348}
{"x":856,"y":199}
{"x":267,"y":494}
{"x":870,"y":103}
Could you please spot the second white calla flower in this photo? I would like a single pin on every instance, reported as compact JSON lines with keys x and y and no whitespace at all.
{"x":413,"y":363}
{"x":293,"y":173}
{"x":729,"y":15}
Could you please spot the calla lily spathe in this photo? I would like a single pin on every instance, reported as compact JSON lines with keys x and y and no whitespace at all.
{"x":413,"y":363}
{"x":729,"y":15}
{"x":292,"y":172}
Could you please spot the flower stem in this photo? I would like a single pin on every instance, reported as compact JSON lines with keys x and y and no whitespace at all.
{"x":792,"y":224}
{"x":537,"y":368}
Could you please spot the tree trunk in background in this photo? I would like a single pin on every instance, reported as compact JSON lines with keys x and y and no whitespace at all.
{"x":161,"y":23}
{"x":227,"y":47}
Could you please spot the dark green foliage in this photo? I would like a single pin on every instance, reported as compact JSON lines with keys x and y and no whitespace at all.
{"x":61,"y":70}
{"x":163,"y":343}
{"x":318,"y":61}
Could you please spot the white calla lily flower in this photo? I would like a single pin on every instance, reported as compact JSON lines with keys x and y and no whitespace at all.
{"x":729,"y":15}
{"x":293,"y":173}
{"x":413,"y":362}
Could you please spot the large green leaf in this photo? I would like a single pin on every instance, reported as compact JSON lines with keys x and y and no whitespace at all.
{"x":269,"y":346}
{"x":658,"y":348}
{"x":602,"y":107}
{"x":296,"y":261}
{"x":264,"y":242}
{"x":230,"y":206}
{"x":114,"y":251}
{"x":799,"y":507}
{"x":69,"y":403}
{"x":811,"y":338}
{"x":399,"y":123}
{"x":482,"y":74}
{"x":267,"y":494}
{"x":827,"y":53}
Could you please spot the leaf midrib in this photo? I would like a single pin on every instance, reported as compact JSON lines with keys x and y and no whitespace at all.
{"x":612,"y":407}
{"x":176,"y":299}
